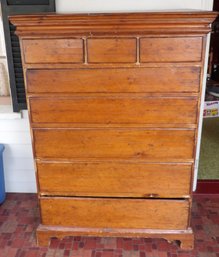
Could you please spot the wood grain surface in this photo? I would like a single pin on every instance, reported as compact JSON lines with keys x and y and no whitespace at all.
{"x":160,"y":79}
{"x":114,"y":110}
{"x":115,"y":179}
{"x":170,"y":49}
{"x":141,"y":144}
{"x":185,"y":237}
{"x":115,"y":213}
{"x":143,"y":23}
{"x":112,"y":50}
{"x":53,"y":50}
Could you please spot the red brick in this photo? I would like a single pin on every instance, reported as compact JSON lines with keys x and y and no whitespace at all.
{"x":17,"y":243}
{"x":148,"y":247}
{"x":18,"y":239}
{"x":87,"y":253}
{"x":119,"y":243}
{"x":54,"y":243}
{"x":30,"y":253}
{"x":90,"y":244}
{"x":68,"y":246}
{"x":135,"y":247}
{"x":141,"y":247}
{"x":12,"y":253}
{"x":98,"y":254}
{"x":163,"y":246}
{"x":75,"y":246}
{"x":61,"y":245}
{"x":66,"y":253}
{"x":108,"y":253}
{"x":162,"y":254}
{"x":142,"y":254}
{"x":127,"y":245}
{"x":183,"y":255}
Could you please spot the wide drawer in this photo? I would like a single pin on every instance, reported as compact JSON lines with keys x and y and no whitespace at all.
{"x":115,"y":179}
{"x":148,"y":144}
{"x":160,"y":79}
{"x":115,"y":213}
{"x":53,"y":50}
{"x":171,"y":49}
{"x":114,"y":110}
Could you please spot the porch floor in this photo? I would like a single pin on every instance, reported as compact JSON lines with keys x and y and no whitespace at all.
{"x":19,"y":217}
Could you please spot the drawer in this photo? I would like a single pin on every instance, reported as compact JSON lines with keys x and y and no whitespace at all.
{"x":115,"y":213}
{"x":170,"y":79}
{"x":171,"y":49}
{"x":114,"y":110}
{"x":114,"y":179}
{"x":112,"y":50}
{"x":135,"y":143}
{"x":53,"y":50}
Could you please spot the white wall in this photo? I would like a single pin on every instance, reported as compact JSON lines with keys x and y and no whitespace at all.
{"x":14,"y":133}
{"x":67,"y":6}
{"x":17,"y":157}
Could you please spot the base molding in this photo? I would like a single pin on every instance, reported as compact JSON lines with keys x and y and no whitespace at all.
{"x":44,"y":233}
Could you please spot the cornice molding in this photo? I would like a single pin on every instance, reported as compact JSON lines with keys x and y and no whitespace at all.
{"x":195,"y":22}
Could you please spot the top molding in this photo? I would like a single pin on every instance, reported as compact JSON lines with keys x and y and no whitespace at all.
{"x":189,"y":22}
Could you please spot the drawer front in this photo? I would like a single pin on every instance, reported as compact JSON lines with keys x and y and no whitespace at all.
{"x":170,"y":79}
{"x":114,"y":110}
{"x":115,"y":213}
{"x":53,"y":50}
{"x":148,"y":144}
{"x":171,"y":49}
{"x":112,"y":50}
{"x":114,"y":179}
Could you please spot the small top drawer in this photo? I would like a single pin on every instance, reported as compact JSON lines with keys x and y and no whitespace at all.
{"x":171,"y":49}
{"x":112,"y":50}
{"x":53,"y":50}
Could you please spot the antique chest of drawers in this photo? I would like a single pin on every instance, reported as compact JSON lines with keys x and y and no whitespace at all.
{"x":114,"y":104}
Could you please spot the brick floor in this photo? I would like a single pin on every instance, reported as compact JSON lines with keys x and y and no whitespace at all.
{"x":19,"y":218}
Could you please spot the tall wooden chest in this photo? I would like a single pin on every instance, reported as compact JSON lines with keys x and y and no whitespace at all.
{"x":114,"y":104}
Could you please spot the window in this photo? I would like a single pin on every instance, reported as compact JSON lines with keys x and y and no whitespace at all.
{"x":14,"y":7}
